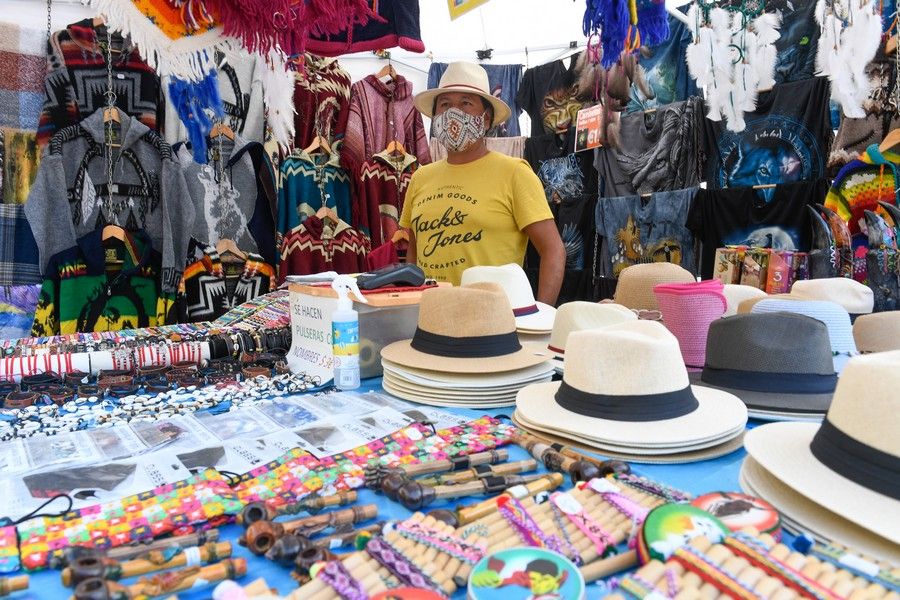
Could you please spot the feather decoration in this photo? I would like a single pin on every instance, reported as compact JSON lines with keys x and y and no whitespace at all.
{"x":197,"y":104}
{"x":278,"y":95}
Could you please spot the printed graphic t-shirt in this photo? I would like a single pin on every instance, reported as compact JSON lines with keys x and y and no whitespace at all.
{"x":787,"y":139}
{"x":666,"y":71}
{"x":552,"y":94}
{"x":472,"y":214}
{"x":743,"y":216}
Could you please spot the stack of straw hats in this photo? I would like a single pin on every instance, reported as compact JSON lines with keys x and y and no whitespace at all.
{"x":465,"y":352}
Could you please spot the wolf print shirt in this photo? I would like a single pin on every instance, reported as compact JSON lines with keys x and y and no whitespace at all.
{"x":472,"y":214}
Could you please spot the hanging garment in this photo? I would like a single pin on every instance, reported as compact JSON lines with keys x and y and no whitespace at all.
{"x":665,"y":70}
{"x":322,"y":101}
{"x":510,"y":146}
{"x":18,"y":250}
{"x":233,"y":195}
{"x":503,"y":81}
{"x":644,"y":230}
{"x":552,"y":94}
{"x":72,"y":195}
{"x":239,"y":79}
{"x":799,"y":38}
{"x":23,"y":65}
{"x":210,"y":288}
{"x":397,"y":25}
{"x":76,"y":83}
{"x":732,"y":58}
{"x":309,"y":182}
{"x":81,"y":294}
{"x":381,"y":190}
{"x":315,"y":246}
{"x":652,"y":151}
{"x":773,"y":218}
{"x":379,"y":113}
{"x":786,"y":139}
{"x":17,"y":305}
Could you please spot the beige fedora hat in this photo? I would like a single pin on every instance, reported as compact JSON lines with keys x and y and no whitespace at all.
{"x":531,"y":315}
{"x":626,"y":385}
{"x":850,"y":465}
{"x":855,"y":297}
{"x":736,"y":293}
{"x":877,"y":332}
{"x":579,"y":315}
{"x":635,"y":286}
{"x":466,"y":329}
{"x":468,"y":78}
{"x":746,"y":306}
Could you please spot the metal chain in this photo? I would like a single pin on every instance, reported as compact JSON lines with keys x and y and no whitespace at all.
{"x":49,"y":22}
{"x":110,"y":104}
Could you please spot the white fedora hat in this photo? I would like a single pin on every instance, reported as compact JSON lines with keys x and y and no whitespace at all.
{"x":855,"y":297}
{"x":850,"y":465}
{"x":836,"y":319}
{"x":531,"y":315}
{"x":626,"y":385}
{"x":467,"y":78}
{"x":580,"y":315}
{"x":736,"y":293}
{"x":878,"y":332}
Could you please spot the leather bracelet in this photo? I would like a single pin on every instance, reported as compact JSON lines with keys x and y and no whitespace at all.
{"x":39,"y":379}
{"x":251,"y":372}
{"x":120,"y":391}
{"x":282,"y":368}
{"x":60,"y":395}
{"x":153,"y":371}
{"x":225,"y":365}
{"x":76,"y":378}
{"x":107,"y":373}
{"x":116,"y":380}
{"x":185,"y":365}
{"x":190,"y":380}
{"x":221,"y":377}
{"x":20,"y":399}
{"x":7,"y":387}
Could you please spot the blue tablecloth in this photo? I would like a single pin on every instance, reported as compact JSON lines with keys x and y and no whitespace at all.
{"x":720,"y":474}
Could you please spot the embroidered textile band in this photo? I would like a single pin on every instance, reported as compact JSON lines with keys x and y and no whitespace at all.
{"x":640,"y":588}
{"x":583,"y":521}
{"x":860,"y":567}
{"x":483,"y":346}
{"x":524,"y":311}
{"x":727,"y":583}
{"x":447,"y":544}
{"x":757,"y":381}
{"x":756,"y":554}
{"x":525,"y":526}
{"x":649,"y":407}
{"x":335,"y":574}
{"x":408,"y":573}
{"x":858,"y":462}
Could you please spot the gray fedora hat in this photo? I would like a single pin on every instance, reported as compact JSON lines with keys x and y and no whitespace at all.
{"x":778,"y":363}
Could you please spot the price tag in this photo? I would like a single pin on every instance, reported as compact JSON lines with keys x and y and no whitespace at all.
{"x":601,"y":485}
{"x":567,"y":503}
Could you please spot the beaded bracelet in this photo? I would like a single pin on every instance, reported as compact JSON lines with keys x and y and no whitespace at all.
{"x":726,"y":582}
{"x":525,"y":526}
{"x":755,"y":553}
{"x":401,"y":568}
{"x":455,"y":546}
{"x":335,"y":574}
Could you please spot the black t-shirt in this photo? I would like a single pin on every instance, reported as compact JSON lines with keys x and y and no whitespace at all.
{"x":787,"y":139}
{"x":552,"y":94}
{"x":743,"y":216}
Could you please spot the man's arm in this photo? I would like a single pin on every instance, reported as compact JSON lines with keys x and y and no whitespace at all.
{"x":545,"y":237}
{"x":411,"y":249}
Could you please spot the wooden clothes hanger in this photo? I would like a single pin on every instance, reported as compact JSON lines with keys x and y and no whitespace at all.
{"x":395,"y":148}
{"x":113,"y":232}
{"x":228,"y":246}
{"x":319,"y":144}
{"x":221,"y":129}
{"x":327,"y":213}
{"x":387,"y":72}
{"x":400,"y":235}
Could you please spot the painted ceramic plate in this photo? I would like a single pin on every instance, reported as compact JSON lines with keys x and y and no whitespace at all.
{"x":671,"y":526}
{"x":525,"y":574}
{"x":738,"y":511}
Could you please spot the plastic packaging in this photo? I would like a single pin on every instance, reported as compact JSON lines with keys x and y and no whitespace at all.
{"x":345,"y":334}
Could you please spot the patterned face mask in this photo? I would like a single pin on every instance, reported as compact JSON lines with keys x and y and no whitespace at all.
{"x":457,"y":130}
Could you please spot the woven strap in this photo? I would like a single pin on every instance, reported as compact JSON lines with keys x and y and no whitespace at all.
{"x":401,"y":568}
{"x":335,"y":574}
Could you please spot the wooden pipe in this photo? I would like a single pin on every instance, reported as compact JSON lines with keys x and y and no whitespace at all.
{"x":413,"y":495}
{"x":90,"y":567}
{"x":285,"y":550}
{"x":374,"y":473}
{"x":546,"y":483}
{"x":261,"y":536}
{"x":579,"y":469}
{"x":162,"y":584}
{"x":260,"y":511}
{"x":8,"y":585}
{"x":480,"y":472}
{"x":142,"y":549}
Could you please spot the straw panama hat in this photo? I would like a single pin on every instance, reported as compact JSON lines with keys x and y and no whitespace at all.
{"x":626,"y":385}
{"x":746,"y":306}
{"x":579,"y":315}
{"x":467,"y":329}
{"x":736,"y":293}
{"x":877,"y":332}
{"x":855,"y":297}
{"x":635,"y":286}
{"x":468,"y":78}
{"x":849,"y":465}
{"x":531,"y":315}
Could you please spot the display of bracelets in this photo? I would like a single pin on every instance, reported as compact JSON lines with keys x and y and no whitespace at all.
{"x":26,"y":419}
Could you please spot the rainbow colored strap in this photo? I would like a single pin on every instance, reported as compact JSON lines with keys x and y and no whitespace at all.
{"x":448,"y":544}
{"x":525,"y":526}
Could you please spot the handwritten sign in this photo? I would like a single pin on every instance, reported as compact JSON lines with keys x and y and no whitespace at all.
{"x":311,"y":349}
{"x":589,"y":128}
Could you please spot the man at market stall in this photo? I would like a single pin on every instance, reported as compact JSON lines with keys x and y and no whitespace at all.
{"x":477,"y":207}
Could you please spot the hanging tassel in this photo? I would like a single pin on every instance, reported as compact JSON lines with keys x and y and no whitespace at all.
{"x":198,"y":105}
{"x":653,"y":22}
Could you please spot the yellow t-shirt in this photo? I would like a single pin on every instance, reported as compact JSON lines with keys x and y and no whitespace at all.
{"x":472,"y":214}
